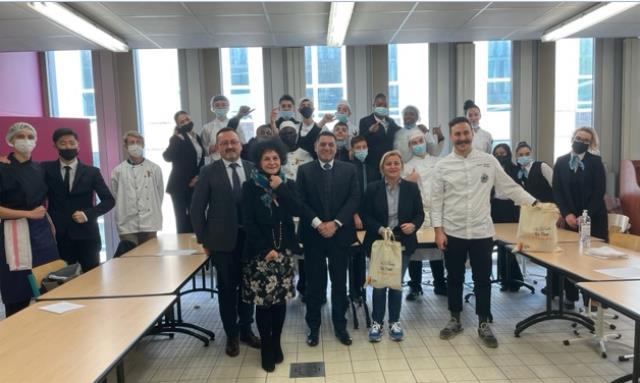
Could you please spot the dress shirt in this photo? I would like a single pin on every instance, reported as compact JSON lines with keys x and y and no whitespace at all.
{"x":315,"y":222}
{"x":240,"y":170}
{"x":393,"y":198}
{"x":546,"y":170}
{"x":425,"y":167}
{"x":196,"y":145}
{"x":72,"y":173}
{"x":461,"y":190}
{"x":482,"y":140}
{"x":294,"y":160}
{"x":383,"y":122}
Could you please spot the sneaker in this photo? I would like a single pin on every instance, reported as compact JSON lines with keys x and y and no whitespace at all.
{"x":452,"y":329}
{"x":375,"y":332}
{"x":395,"y":332}
{"x":486,"y":334}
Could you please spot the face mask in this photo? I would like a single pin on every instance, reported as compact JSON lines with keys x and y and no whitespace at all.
{"x":68,"y":154}
{"x":341,"y":144}
{"x":306,"y":111}
{"x":361,"y":155}
{"x":342,"y":117}
{"x":409,"y":126}
{"x":381,"y":111}
{"x":289,"y":140}
{"x":221,"y":112}
{"x":24,"y":147}
{"x":419,"y":149}
{"x":475,"y":126}
{"x":286,"y":114}
{"x":579,"y":147}
{"x":186,"y":128}
{"x":135,"y":150}
{"x":503,"y":160}
{"x":524,"y":160}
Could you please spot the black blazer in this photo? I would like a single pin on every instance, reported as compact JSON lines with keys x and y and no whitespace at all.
{"x":213,"y":210}
{"x":263,"y":224}
{"x":373,"y":174}
{"x":343,"y":202}
{"x":379,"y":142}
{"x":184,"y":162}
{"x":62,"y":203}
{"x":505,"y":210}
{"x":376,"y":213}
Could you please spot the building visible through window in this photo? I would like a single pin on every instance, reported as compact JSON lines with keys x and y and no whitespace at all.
{"x":408,"y":80}
{"x":326,"y":77}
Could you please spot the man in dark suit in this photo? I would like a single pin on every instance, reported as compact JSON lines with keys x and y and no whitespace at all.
{"x":217,"y":222}
{"x":379,"y":130}
{"x":330,"y":195}
{"x":72,"y":186}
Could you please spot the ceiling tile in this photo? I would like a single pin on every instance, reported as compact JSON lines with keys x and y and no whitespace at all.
{"x":439,"y":19}
{"x":507,"y":17}
{"x":376,"y":21}
{"x":237,"y":8}
{"x":450,"y":6}
{"x":287,"y":8}
{"x":167,"y":25}
{"x":147,"y":9}
{"x":302,"y":25}
{"x":383,"y":6}
{"x":301,"y":39}
{"x":235,"y":24}
{"x":17,"y":11}
{"x":31,"y":28}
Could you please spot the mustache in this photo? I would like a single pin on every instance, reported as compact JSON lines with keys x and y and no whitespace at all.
{"x":460,"y":142}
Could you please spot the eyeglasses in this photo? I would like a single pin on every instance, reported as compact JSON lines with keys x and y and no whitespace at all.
{"x":229,"y":143}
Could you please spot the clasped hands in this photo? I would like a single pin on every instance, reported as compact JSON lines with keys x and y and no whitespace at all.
{"x":327,"y":229}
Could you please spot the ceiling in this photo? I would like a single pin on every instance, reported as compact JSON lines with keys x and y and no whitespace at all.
{"x":282,"y":24}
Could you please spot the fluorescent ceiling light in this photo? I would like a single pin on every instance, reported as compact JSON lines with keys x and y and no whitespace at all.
{"x":339,"y":19}
{"x":67,"y":18}
{"x":591,"y":16}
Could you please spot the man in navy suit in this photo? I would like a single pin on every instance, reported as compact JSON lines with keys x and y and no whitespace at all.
{"x":72,"y":189}
{"x":330,"y":194}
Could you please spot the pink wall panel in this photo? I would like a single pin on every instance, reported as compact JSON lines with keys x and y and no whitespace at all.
{"x":21,"y":88}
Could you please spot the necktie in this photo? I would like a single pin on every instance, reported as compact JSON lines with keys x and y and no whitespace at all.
{"x":236,"y":185}
{"x":67,"y":178}
{"x":575,"y":163}
{"x":364,"y":176}
{"x":326,"y":166}
{"x":326,"y":198}
{"x":523,"y":173}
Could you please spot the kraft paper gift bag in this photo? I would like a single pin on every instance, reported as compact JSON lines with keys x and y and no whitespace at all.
{"x":537,"y":229}
{"x":385,"y":267}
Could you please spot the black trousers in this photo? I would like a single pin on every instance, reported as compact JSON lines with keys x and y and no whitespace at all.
{"x":415,"y":275}
{"x":181,"y":209}
{"x":357,"y":271}
{"x":515,"y":274}
{"x":479,"y":253}
{"x":86,"y":252}
{"x":12,"y":308}
{"x":236,"y":315}
{"x":315,"y":262}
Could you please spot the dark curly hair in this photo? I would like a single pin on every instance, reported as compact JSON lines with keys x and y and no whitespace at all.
{"x":264,"y":144}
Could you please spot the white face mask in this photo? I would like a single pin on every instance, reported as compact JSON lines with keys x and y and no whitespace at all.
{"x":135,"y":150}
{"x":24,"y":147}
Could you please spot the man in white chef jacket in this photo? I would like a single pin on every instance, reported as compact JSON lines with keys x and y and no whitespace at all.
{"x":461,"y":216}
{"x":138,"y":188}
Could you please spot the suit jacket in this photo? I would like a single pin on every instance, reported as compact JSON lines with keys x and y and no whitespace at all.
{"x":373,"y":174}
{"x":185,"y":164}
{"x":343,"y":202}
{"x":379,"y":142}
{"x":62,"y":203}
{"x":213,"y":210}
{"x":376,"y":213}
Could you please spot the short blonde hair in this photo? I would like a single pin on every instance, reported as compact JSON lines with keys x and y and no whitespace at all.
{"x":391,"y":153}
{"x":595,"y":142}
{"x":132,"y":133}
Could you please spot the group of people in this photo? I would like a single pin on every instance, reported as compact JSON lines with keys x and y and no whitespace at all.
{"x":302,"y":188}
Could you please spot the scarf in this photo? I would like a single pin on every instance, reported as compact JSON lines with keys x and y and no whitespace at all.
{"x":575,"y":163}
{"x":262,"y":181}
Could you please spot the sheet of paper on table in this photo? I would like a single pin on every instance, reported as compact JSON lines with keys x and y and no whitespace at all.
{"x":177,"y":252}
{"x":621,"y":272}
{"x":61,"y":307}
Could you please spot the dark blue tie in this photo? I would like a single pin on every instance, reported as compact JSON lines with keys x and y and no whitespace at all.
{"x":236,"y":185}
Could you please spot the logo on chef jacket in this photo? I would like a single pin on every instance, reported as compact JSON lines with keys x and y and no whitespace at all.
{"x":484,"y":178}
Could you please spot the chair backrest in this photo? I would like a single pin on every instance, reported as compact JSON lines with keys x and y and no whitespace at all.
{"x":628,"y":241}
{"x":618,"y":223}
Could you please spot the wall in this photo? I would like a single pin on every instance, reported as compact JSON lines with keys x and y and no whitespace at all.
{"x":21,"y":89}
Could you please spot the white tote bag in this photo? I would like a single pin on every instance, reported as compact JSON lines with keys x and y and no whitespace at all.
{"x":537,"y":229}
{"x":385,"y":267}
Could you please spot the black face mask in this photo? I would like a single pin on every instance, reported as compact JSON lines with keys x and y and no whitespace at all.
{"x":289,"y":139}
{"x":306,"y":111}
{"x":68,"y":154}
{"x":186,"y":128}
{"x":579,"y":147}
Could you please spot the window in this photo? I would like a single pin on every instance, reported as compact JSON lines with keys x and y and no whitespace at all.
{"x":158,"y":90}
{"x":408,"y":80}
{"x":574,"y":90}
{"x":243,"y":84}
{"x":71,"y":94}
{"x":326,"y":77}
{"x":493,"y":88}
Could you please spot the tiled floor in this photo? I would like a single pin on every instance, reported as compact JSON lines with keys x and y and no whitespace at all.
{"x":537,"y":356}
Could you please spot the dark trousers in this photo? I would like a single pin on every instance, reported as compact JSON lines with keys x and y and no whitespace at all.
{"x":12,"y":308}
{"x":181,"y":207}
{"x":270,"y":321}
{"x":315,"y":262}
{"x":301,"y":286}
{"x":357,"y":272}
{"x":505,"y":258}
{"x":236,"y":315}
{"x":86,"y":252}
{"x":415,"y":275}
{"x":479,"y":253}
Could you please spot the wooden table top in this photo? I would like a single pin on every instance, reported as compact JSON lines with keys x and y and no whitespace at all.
{"x":425,"y":235}
{"x":131,"y":276}
{"x":78,"y":346}
{"x":623,"y":294}
{"x":508,"y":232}
{"x":167,"y":244}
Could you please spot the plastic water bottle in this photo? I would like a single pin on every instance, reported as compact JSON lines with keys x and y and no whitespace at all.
{"x":585,"y":231}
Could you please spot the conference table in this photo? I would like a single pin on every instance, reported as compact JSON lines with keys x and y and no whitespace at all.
{"x":82,"y":345}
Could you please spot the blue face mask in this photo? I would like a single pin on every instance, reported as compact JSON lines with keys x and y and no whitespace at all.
{"x":361,"y":155}
{"x":341,"y":144}
{"x":524,"y":160}
{"x":381,"y":111}
{"x":419,"y":149}
{"x":342,"y":117}
{"x":409,"y":126}
{"x":286,"y":114}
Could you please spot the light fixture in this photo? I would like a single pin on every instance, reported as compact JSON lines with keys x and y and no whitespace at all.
{"x":69,"y":19}
{"x":339,"y":19}
{"x":590,"y":17}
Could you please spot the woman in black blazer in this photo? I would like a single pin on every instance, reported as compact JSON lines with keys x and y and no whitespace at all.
{"x":397,"y":204}
{"x":269,"y":203}
{"x":186,"y":154}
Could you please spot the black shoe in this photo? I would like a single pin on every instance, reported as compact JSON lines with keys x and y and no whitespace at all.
{"x":344,"y":337}
{"x":440,"y":290}
{"x":267,"y":359}
{"x":514,"y":288}
{"x":504,"y":287}
{"x":249,"y":338}
{"x":278,"y":356}
{"x":233,"y":347}
{"x":412,"y":296}
{"x":313,"y":338}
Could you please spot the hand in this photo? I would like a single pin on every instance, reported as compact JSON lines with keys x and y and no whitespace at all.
{"x":413,"y":177}
{"x":78,"y":217}
{"x":441,"y":239}
{"x":4,"y":160}
{"x":271,"y":255}
{"x":423,"y":128}
{"x":37,"y":213}
{"x":374,"y":128}
{"x":213,"y":148}
{"x":571,"y":220}
{"x":327,"y":229}
{"x":358,"y":222}
{"x":274,"y":182}
{"x":408,"y":228}
{"x":274,"y":114}
{"x":193,"y":181}
{"x":244,"y":111}
{"x":207,"y":251}
{"x":437,"y":131}
{"x":328,"y":117}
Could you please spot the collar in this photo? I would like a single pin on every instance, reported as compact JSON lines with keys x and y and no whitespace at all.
{"x":580,"y":156}
{"x":73,"y":164}
{"x":132,"y":164}
{"x":528,"y":167}
{"x":472,"y":152}
{"x":383,"y":120}
{"x":387,"y":184}
{"x":323,"y":163}
{"x":227,"y":163}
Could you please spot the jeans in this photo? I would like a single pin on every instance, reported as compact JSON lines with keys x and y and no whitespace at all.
{"x":394,"y":297}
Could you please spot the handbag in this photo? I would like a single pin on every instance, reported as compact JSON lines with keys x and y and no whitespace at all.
{"x":385,"y":267}
{"x":537,"y":229}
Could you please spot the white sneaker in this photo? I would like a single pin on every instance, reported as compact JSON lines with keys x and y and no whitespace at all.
{"x":375,"y":332}
{"x":395,"y":332}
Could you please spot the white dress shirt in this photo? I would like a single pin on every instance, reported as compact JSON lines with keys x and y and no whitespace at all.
{"x":482,"y":140}
{"x":72,"y":172}
{"x":294,"y":160}
{"x":425,"y":167}
{"x":209,"y":132}
{"x":546,"y":170}
{"x":403,"y":136}
{"x":461,"y":190}
{"x":239,"y":169}
{"x":138,"y":190}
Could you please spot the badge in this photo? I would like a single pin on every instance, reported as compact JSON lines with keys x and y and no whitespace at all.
{"x":484,"y":178}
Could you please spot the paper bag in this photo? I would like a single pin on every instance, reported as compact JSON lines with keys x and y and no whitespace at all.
{"x":537,"y":229}
{"x":385,"y":267}
{"x":17,"y":244}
